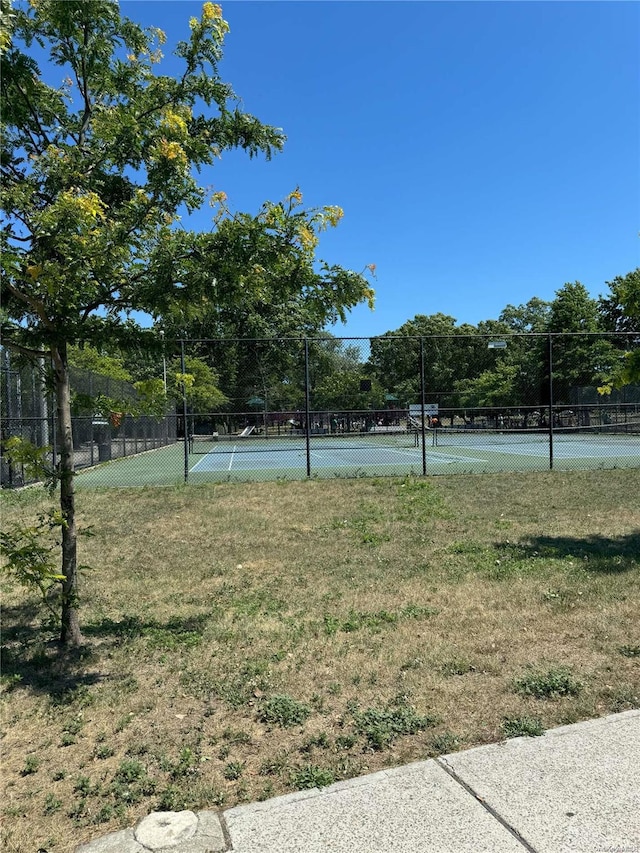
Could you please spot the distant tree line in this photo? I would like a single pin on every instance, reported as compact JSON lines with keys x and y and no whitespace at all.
{"x":257,"y":354}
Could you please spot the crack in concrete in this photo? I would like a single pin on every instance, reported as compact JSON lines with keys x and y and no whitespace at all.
{"x":442,"y":761}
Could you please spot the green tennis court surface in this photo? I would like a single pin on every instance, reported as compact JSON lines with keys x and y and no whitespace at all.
{"x":446,"y":452}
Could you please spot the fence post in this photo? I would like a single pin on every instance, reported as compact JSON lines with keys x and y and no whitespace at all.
{"x":184,"y":413}
{"x":54,"y":428}
{"x":307,"y":406}
{"x":550,"y":342}
{"x":422,"y":405}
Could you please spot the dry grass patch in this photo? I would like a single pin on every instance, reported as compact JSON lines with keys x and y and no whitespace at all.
{"x":244,"y":640}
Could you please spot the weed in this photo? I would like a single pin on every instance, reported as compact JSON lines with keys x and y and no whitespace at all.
{"x":347,"y":768}
{"x":82,"y":786}
{"x":68,"y":739}
{"x":80,"y":696}
{"x":258,"y":602}
{"x":417,"y":611}
{"x":623,"y":698}
{"x":374,"y":621}
{"x":78,"y":809}
{"x":129,"y":771}
{"x":172,"y":799}
{"x":10,"y":680}
{"x":103,"y":750}
{"x":138,"y":748}
{"x":522,"y":727}
{"x":123,"y":722}
{"x":548,"y":684}
{"x":381,"y":726}
{"x":266,"y":791}
{"x":445,"y":742}
{"x":629,"y":651}
{"x":346,"y":741}
{"x":242,"y":792}
{"x":310,"y":776}
{"x":233,"y":770}
{"x":74,"y":726}
{"x":331,"y":625}
{"x":188,"y":762}
{"x":51,"y":804}
{"x":559,"y":596}
{"x":284,"y":711}
{"x":274,"y":765}
{"x":456,"y":666}
{"x":104,"y":814}
{"x":236,"y":689}
{"x":467,"y":546}
{"x":319,"y":741}
{"x":234,"y":736}
{"x":31,"y":765}
{"x":127,"y":685}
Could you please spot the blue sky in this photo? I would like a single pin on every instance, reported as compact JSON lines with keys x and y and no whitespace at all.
{"x":483,"y":152}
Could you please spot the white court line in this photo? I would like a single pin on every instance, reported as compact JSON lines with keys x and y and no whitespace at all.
{"x":211,"y":454}
{"x":441,"y":457}
{"x":415,"y":455}
{"x":198,"y":463}
{"x":451,"y":458}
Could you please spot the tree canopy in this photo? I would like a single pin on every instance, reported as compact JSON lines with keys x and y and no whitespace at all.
{"x":96,"y":174}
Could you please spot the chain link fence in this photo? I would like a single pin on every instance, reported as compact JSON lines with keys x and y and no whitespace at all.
{"x":345,"y":407}
{"x":28,"y":412}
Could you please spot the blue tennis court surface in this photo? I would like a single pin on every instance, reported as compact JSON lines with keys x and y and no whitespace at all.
{"x":240,"y":458}
{"x":448,"y":451}
{"x":257,"y":458}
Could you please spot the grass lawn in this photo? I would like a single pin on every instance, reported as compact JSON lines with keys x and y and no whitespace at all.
{"x":244,"y":640}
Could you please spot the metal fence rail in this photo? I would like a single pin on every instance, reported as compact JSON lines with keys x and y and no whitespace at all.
{"x":325,"y":407}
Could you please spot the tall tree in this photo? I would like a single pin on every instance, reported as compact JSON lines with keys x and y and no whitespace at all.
{"x":620,"y":312}
{"x":396,"y":357}
{"x":94,"y":176}
{"x":266,"y":284}
{"x":580,"y":357}
{"x":531,"y":317}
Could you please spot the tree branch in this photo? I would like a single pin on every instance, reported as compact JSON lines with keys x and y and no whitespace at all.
{"x":28,"y":351}
{"x":36,"y":118}
{"x":84,"y":90}
{"x":35,"y":304}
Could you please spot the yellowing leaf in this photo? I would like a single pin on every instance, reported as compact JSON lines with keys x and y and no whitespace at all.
{"x":34,"y":271}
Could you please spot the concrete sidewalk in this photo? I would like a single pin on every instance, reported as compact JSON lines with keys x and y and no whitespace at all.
{"x":574,"y":790}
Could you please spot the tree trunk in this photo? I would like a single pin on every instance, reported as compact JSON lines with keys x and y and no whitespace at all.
{"x":70,"y":626}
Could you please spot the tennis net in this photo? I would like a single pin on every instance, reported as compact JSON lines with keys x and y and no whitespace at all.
{"x":483,"y":436}
{"x":375,"y":438}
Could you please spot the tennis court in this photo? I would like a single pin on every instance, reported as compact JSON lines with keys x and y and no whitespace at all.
{"x":445,"y":451}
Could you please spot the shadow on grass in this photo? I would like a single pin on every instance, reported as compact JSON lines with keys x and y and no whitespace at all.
{"x":603,"y":554}
{"x":131,"y":627}
{"x":33,"y":659}
{"x":44,"y":667}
